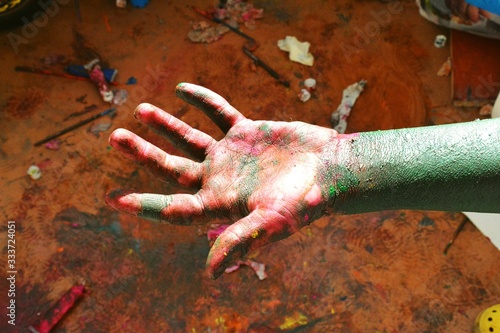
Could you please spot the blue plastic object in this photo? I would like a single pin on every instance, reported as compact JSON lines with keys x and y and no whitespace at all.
{"x":131,"y":80}
{"x":139,"y":3}
{"x":489,"y":5}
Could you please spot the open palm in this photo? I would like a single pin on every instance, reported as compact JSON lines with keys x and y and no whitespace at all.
{"x":266,"y":177}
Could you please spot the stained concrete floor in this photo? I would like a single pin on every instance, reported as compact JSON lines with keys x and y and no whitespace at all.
{"x":380,"y":272}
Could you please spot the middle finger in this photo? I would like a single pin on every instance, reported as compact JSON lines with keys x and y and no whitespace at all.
{"x":184,"y":171}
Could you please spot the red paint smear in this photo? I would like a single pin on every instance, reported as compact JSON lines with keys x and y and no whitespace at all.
{"x":56,"y":312}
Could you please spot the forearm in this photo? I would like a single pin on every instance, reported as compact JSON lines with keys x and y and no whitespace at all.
{"x":447,"y":168}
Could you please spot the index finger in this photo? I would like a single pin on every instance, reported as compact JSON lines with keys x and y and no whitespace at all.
{"x":223,"y":114}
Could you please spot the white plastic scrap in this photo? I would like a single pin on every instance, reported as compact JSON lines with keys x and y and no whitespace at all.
{"x":34,"y":172}
{"x":310,"y":83}
{"x":304,"y":95}
{"x":349,"y":96}
{"x":299,"y":51}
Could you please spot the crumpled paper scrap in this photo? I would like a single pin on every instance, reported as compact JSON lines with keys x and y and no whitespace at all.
{"x":202,"y":32}
{"x":98,"y":128}
{"x":299,"y":51}
{"x":445,"y":69}
{"x":349,"y":97}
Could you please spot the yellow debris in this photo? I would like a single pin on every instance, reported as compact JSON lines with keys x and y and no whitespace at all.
{"x":298,"y":319}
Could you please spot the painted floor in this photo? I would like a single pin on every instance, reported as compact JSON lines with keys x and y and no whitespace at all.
{"x":381,"y":272}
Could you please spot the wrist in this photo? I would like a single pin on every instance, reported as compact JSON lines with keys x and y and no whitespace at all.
{"x":337,"y":173}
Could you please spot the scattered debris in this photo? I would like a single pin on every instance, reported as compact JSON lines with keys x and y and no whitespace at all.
{"x":131,"y":80}
{"x":455,"y":234}
{"x":134,"y":3}
{"x":81,"y":99}
{"x":252,"y":44}
{"x":295,"y":323}
{"x":229,"y":15}
{"x":53,"y":145}
{"x":106,"y":22}
{"x":349,"y":96}
{"x":266,"y":67}
{"x":58,"y":310}
{"x":486,"y":110}
{"x":27,"y":69}
{"x":445,"y":68}
{"x":298,"y":319}
{"x":87,"y":109}
{"x":109,"y":112}
{"x":299,"y":51}
{"x":96,"y":129}
{"x":202,"y":32}
{"x":79,"y":70}
{"x":304,"y":95}
{"x":440,"y":41}
{"x":139,"y":3}
{"x":120,"y":96}
{"x":34,"y":172}
{"x":236,"y":12}
{"x":97,"y":76}
{"x":310,"y":84}
{"x":55,"y":59}
{"x":259,"y":268}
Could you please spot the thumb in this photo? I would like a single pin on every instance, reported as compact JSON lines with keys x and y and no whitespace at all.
{"x":259,"y":228}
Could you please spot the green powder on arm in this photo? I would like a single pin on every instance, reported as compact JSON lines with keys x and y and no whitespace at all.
{"x":447,"y":168}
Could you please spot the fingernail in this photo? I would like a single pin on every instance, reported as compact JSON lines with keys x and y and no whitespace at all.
{"x":143,"y":107}
{"x":217,"y":273}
